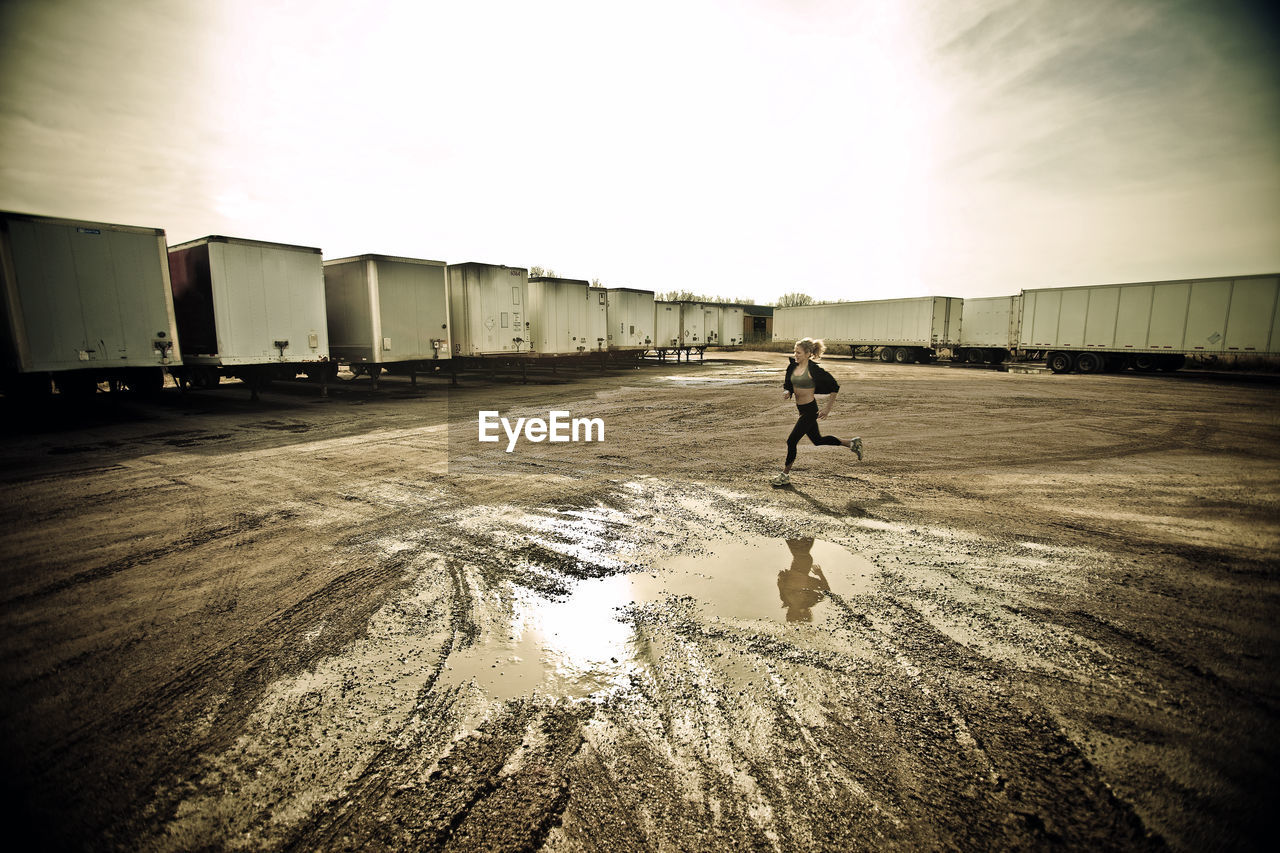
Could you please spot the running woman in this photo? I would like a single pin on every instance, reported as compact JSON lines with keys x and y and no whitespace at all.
{"x":805,"y":379}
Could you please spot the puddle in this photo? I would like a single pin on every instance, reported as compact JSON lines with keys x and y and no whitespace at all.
{"x":583,"y":644}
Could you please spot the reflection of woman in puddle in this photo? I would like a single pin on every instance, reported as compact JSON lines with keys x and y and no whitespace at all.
{"x":803,"y":585}
{"x":805,"y":379}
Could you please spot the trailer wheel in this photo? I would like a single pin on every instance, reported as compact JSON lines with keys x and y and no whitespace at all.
{"x":1143,"y":362}
{"x":204,"y":377}
{"x":903,"y":355}
{"x":886,"y":353}
{"x":973,"y":356}
{"x":1059,"y":362}
{"x":923,"y":356}
{"x":1089,"y":362}
{"x":1170,"y":363}
{"x":996,"y":356}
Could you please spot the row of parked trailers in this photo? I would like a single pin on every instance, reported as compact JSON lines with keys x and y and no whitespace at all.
{"x":1144,"y":325}
{"x":90,"y":302}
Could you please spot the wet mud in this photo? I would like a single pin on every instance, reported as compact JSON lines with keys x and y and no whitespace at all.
{"x":1041,"y":613}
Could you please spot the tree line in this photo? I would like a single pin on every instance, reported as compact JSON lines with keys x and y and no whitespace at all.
{"x":787,"y":300}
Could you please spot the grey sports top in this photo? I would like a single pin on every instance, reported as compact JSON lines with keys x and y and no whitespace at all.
{"x":802,"y":380}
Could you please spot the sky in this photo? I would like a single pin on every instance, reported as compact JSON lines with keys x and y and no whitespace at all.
{"x":864,"y":149}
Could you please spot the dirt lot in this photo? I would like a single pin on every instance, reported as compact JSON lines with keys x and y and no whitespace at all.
{"x":1045,"y":613}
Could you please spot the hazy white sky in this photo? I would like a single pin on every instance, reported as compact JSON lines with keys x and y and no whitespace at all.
{"x":851,"y":150}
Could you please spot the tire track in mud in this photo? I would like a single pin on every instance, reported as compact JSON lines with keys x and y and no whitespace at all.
{"x":385,"y":807}
{"x":66,"y":473}
{"x":426,"y":786}
{"x":371,"y":814}
{"x":1099,"y":675}
{"x":1035,"y":828}
{"x":1101,"y":628}
{"x":1040,"y":775}
{"x":919,"y":708}
{"x":201,"y":707}
{"x":1186,"y":434}
{"x":84,"y":503}
{"x":486,"y":813}
{"x":244,"y":522}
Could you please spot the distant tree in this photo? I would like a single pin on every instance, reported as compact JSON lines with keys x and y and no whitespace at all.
{"x":690,"y":296}
{"x":791,"y":300}
{"x":538,"y":272}
{"x":595,"y":282}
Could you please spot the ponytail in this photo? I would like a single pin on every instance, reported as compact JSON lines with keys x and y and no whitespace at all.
{"x":815,"y":348}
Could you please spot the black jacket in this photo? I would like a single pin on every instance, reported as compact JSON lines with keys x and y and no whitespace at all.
{"x":823,"y":382}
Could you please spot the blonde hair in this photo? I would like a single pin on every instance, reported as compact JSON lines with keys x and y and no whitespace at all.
{"x":814,"y":348}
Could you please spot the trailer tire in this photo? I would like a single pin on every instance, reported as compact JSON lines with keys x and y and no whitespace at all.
{"x":903,"y":355}
{"x":973,"y":356}
{"x":997,"y":356}
{"x":1170,"y":363}
{"x":923,"y":356}
{"x":1059,"y":362}
{"x":886,"y":354}
{"x":1089,"y":362}
{"x":1143,"y":362}
{"x":204,"y":377}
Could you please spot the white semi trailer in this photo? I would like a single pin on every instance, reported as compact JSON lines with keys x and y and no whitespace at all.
{"x":84,"y":302}
{"x":669,"y":333}
{"x":385,"y":310}
{"x":899,"y":330}
{"x":630,"y":318}
{"x":1151,"y":325}
{"x":683,"y":325}
{"x":731,"y":330}
{"x":488,"y":306}
{"x":988,"y":329}
{"x":249,"y":309}
{"x":563,"y":316}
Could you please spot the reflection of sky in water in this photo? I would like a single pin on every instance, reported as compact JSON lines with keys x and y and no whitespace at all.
{"x":580,"y":644}
{"x":589,"y":538}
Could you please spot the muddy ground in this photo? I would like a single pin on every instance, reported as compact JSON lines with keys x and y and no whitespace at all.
{"x":1041,"y":612}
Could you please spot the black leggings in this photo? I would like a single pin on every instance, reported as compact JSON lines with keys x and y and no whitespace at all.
{"x":807,"y":425}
